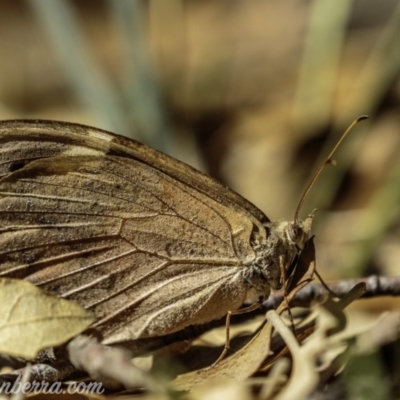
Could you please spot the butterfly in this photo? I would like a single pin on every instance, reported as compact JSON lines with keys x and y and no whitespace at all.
{"x":147,"y":243}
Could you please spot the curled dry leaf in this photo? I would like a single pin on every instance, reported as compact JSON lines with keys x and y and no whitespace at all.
{"x":329,"y":322}
{"x":304,"y":375}
{"x":307,"y":326}
{"x":31,"y":319}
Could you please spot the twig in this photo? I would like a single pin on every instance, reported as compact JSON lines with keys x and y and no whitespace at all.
{"x":40,"y":372}
{"x":112,"y":366}
{"x":375,"y":286}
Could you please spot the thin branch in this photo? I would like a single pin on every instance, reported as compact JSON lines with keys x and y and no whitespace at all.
{"x":109,"y":365}
{"x":375,"y":286}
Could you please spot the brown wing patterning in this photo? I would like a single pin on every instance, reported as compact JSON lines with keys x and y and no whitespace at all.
{"x":90,"y":218}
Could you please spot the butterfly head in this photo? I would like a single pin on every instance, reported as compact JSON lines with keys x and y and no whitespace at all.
{"x":297,"y":232}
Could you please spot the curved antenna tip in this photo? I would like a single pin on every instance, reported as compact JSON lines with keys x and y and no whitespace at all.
{"x":362,"y":117}
{"x":328,"y":160}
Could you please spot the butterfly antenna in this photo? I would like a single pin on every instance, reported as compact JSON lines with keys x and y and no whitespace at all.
{"x":327,"y":161}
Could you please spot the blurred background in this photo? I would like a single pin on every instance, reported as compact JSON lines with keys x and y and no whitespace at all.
{"x":255,"y":93}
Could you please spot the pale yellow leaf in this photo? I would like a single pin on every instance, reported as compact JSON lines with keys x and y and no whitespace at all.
{"x":31,"y":319}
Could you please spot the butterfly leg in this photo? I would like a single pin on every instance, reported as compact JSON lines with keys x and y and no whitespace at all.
{"x":285,"y":292}
{"x":252,"y":307}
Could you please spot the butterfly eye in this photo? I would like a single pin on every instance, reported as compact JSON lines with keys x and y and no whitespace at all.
{"x":295,"y":233}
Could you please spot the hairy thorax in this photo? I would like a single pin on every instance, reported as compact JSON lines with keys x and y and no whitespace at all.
{"x":274,"y":251}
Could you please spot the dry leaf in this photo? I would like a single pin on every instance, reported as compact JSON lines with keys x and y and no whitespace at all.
{"x":238,"y":367}
{"x":234,"y":391}
{"x":31,"y":319}
{"x":305,"y":376}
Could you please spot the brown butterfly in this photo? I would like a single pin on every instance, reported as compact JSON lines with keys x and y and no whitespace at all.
{"x":145,"y":242}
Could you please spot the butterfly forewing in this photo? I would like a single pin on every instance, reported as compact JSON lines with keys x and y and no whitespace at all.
{"x":144,"y":241}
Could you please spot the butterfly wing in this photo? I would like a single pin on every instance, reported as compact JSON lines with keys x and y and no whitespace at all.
{"x":147,"y":243}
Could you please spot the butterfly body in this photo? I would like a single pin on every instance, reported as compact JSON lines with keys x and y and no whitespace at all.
{"x":145,"y":242}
